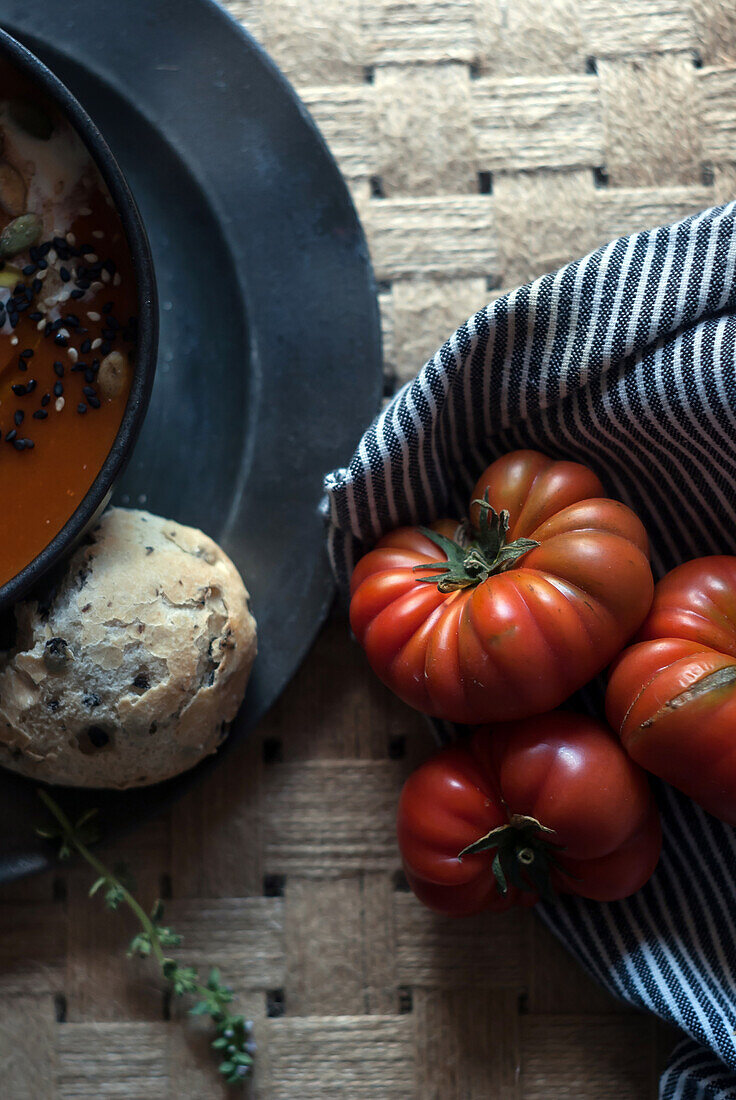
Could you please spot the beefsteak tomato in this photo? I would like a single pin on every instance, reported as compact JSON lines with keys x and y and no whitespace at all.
{"x":672,"y":696}
{"x":551,"y":803}
{"x":508,"y":616}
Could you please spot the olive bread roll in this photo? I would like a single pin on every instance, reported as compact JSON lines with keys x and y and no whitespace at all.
{"x":132,"y":671}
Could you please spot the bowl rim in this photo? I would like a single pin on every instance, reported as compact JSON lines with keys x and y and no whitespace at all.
{"x":147,"y":301}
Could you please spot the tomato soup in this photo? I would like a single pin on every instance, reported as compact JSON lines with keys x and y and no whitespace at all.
{"x":67,"y":324}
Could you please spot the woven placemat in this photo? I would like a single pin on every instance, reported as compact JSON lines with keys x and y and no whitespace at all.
{"x":484,"y":141}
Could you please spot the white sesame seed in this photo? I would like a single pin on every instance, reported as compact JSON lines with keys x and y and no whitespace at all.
{"x":93,"y":316}
{"x":116,"y":280}
{"x":59,"y":405}
{"x":64,"y":295}
{"x":70,"y":238}
{"x":96,"y":285}
{"x":105,"y":275}
{"x":73,"y":354}
{"x":91,"y":257}
{"x":42,"y":274}
{"x":63,"y":332}
{"x":41,"y":324}
{"x":52,"y":257}
{"x":98,"y":234}
{"x":96,"y":344}
{"x":13,"y":340}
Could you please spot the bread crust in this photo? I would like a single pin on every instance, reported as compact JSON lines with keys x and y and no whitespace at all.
{"x":134,"y":671}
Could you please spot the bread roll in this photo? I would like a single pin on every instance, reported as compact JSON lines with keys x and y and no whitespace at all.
{"x":134,"y":670}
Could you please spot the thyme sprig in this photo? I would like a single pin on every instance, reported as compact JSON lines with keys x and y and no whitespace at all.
{"x":233,"y":1040}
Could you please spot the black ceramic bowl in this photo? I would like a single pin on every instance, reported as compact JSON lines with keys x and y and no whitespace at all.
{"x":13,"y":53}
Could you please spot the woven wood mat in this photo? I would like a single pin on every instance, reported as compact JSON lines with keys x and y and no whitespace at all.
{"x":485,"y":142}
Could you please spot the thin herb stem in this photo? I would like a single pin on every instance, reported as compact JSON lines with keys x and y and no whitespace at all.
{"x":105,"y":873}
{"x":233,"y":1033}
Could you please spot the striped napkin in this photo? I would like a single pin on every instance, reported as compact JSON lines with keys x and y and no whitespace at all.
{"x":625,"y":361}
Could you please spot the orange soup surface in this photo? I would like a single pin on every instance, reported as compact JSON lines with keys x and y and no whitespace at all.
{"x":67,"y":326}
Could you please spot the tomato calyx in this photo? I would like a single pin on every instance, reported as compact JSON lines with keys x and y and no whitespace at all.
{"x":485,"y":554}
{"x":525,"y":855}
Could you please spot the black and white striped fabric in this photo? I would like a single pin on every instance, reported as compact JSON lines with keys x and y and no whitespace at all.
{"x":625,"y":361}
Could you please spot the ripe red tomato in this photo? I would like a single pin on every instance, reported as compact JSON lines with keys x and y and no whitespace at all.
{"x":553,"y":581}
{"x":672,"y":696}
{"x":547,"y":803}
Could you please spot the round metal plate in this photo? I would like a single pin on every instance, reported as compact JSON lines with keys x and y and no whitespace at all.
{"x":269,"y":364}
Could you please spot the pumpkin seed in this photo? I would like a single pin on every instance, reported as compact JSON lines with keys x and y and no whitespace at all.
{"x":31,"y":118}
{"x":10,"y":275}
{"x":112,"y":374}
{"x":13,"y":192}
{"x":20,"y":234}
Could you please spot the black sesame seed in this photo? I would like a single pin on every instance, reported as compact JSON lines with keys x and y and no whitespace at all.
{"x":61,"y":341}
{"x":34,"y":253}
{"x":20,"y":306}
{"x":59,"y":369}
{"x":93,"y":402}
{"x":89,"y":391}
{"x":36,"y":315}
{"x":36,"y":286}
{"x":11,"y":435}
{"x":107,"y":306}
{"x":81,"y":408}
{"x":86,"y":346}
{"x":64,"y":274}
{"x":19,"y":444}
{"x":77,"y":294}
{"x":59,"y":242}
{"x":83,"y":284}
{"x":19,"y":389}
{"x":29,"y":269}
{"x":19,"y":417}
{"x":22,"y":365}
{"x":90,"y":374}
{"x":19,"y":288}
{"x":109,"y":334}
{"x":72,"y":320}
{"x":42,"y":264}
{"x":27,"y":353}
{"x":40,"y":414}
{"x":28,"y":444}
{"x":45,"y":400}
{"x":45,"y":248}
{"x":106,"y":347}
{"x":31,"y":385}
{"x":58,"y":389}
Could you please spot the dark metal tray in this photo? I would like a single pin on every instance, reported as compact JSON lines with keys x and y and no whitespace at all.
{"x":269,"y":364}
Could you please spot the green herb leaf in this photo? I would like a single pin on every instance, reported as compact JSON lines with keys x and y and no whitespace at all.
{"x":233,"y":1034}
